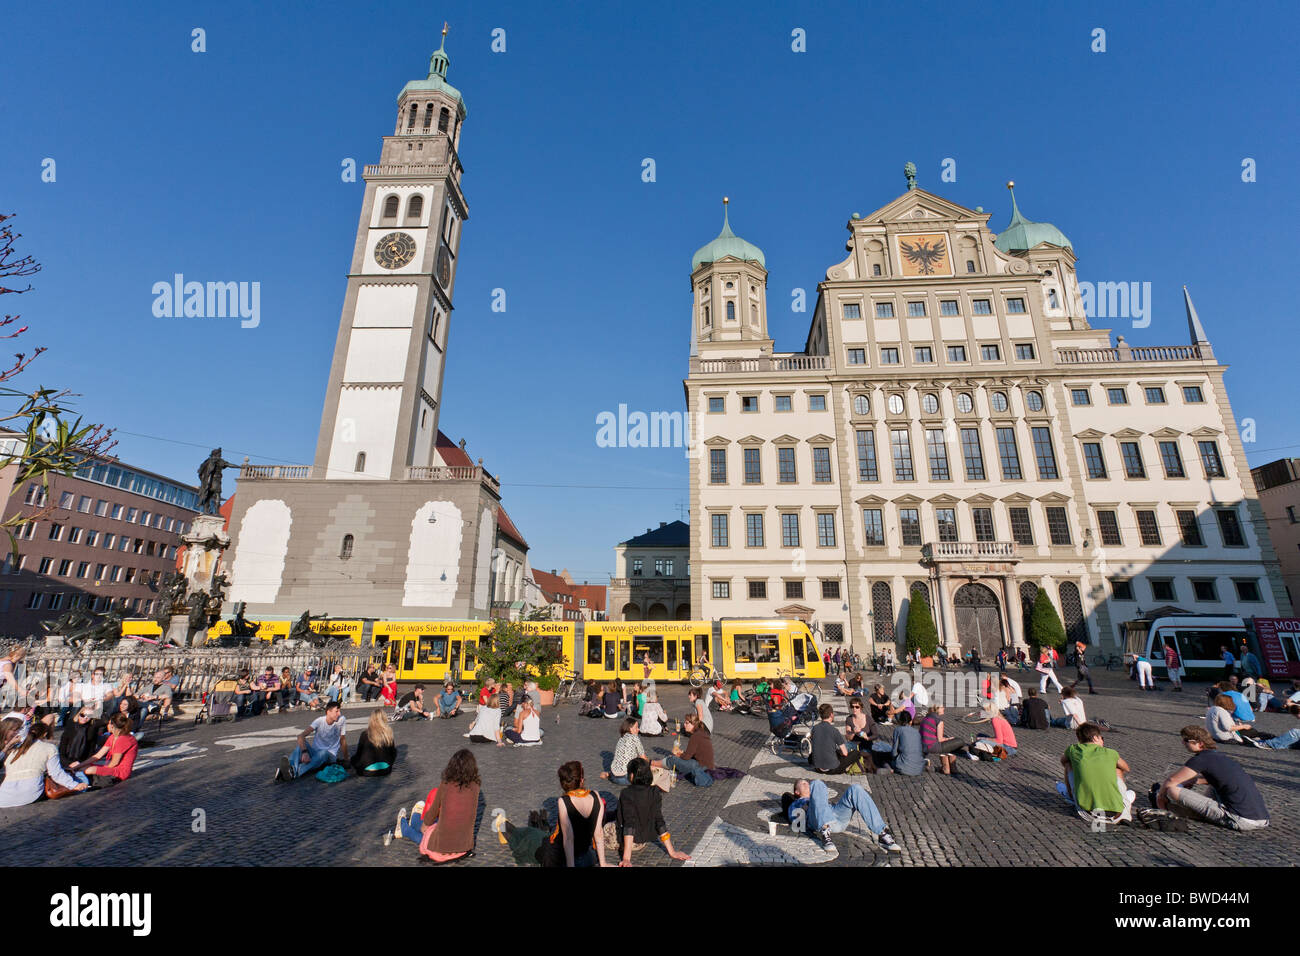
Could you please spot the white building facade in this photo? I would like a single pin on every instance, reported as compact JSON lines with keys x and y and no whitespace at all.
{"x":953,"y":424}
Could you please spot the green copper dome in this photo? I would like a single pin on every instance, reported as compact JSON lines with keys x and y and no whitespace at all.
{"x":727,"y":244}
{"x":1022,"y":233}
{"x":437,"y":81}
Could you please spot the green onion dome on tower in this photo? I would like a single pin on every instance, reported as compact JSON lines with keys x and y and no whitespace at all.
{"x":1022,"y":234}
{"x":727,"y":244}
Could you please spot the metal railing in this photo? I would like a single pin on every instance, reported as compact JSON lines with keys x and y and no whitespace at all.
{"x":961,"y":550}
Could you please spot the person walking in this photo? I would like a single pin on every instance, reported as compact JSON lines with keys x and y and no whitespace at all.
{"x":1081,"y":666}
{"x":1047,"y":667}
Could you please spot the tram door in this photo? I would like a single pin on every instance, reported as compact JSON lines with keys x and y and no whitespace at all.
{"x":625,"y":657}
{"x":800,"y":658}
{"x":408,"y":658}
{"x":455,"y":658}
{"x":611,"y":651}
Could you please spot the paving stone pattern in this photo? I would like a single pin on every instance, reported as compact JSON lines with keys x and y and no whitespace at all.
{"x":986,"y":813}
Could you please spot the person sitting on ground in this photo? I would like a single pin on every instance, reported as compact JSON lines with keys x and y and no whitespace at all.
{"x":286,"y":695}
{"x":855,"y":685}
{"x":266,"y":687}
{"x":920,"y":696}
{"x":776,"y":695}
{"x":487,"y":689}
{"x":159,"y":697}
{"x":859,"y":729}
{"x":654,"y":719}
{"x":410,"y":706}
{"x":810,"y":800}
{"x":245,"y":696}
{"x":1074,"y":716}
{"x":907,"y":756}
{"x":882,"y":711}
{"x":445,"y":822}
{"x":830,"y":754}
{"x":486,"y":728}
{"x":906,"y":704}
{"x":79,"y":738}
{"x":1010,"y":692}
{"x":700,"y":704}
{"x":589,"y":706}
{"x":762,"y":686}
{"x":696,"y":761}
{"x":527,"y":730}
{"x":574,"y":841}
{"x":127,"y":687}
{"x":329,"y":744}
{"x":93,"y":693}
{"x":640,"y":815}
{"x":841,"y":685}
{"x":533,"y":694}
{"x":935,"y":743}
{"x":370,"y":683}
{"x":1002,"y":735}
{"x":449,"y":701}
{"x":376,"y":752}
{"x":1287,"y":741}
{"x":507,"y":700}
{"x":1034,"y":714}
{"x":130,"y":708}
{"x":29,"y":764}
{"x":1224,"y":728}
{"x":119,"y":750}
{"x":340,"y":687}
{"x":1233,"y":801}
{"x":308,"y":690}
{"x":735,"y":699}
{"x":1094,"y":777}
{"x":611,"y":702}
{"x":1241,"y":709}
{"x":388,"y":687}
{"x":628,"y":748}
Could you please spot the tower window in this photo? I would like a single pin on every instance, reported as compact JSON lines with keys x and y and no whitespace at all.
{"x":731,"y":312}
{"x":428,"y":115}
{"x":391,"y":206}
{"x":345,"y":551}
{"x":970,"y":265}
{"x":361,"y":461}
{"x":415,"y":208}
{"x":875,"y":268}
{"x":444,"y":118}
{"x":410,"y":119}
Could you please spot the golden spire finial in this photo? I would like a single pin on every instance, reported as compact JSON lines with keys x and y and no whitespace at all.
{"x":444,"y":27}
{"x":1011,"y":184}
{"x":725,"y":200}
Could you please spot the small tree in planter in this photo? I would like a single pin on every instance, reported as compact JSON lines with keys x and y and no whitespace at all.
{"x":508,"y":653}
{"x":1045,"y":627}
{"x":922,"y":635}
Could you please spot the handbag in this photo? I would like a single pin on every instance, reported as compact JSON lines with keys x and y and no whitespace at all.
{"x":663,"y":778}
{"x":54,"y":790}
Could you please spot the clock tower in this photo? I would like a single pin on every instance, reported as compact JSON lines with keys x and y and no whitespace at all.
{"x":385,"y":385}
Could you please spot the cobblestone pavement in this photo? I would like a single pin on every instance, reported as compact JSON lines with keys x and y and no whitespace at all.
{"x":987,"y":813}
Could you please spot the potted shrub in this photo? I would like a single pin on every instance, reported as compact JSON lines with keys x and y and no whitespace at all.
{"x":922,"y":635}
{"x":510,"y":654}
{"x":547,"y":682}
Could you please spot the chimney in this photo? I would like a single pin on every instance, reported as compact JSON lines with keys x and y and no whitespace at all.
{"x":663,"y":524}
{"x":647,"y":530}
{"x":552,"y":570}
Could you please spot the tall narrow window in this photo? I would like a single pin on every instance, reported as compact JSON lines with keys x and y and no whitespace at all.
{"x":1148,"y":528}
{"x":1210,"y":459}
{"x":983,"y":523}
{"x":938,"y":453}
{"x":1230,"y":528}
{"x":1132,"y":455}
{"x":867,"y":455}
{"x":1044,"y":454}
{"x":444,"y":119}
{"x":1171,"y":459}
{"x":785,"y":466}
{"x":345,"y":551}
{"x":1058,"y":526}
{"x":719,"y":528}
{"x":731,"y":312}
{"x":821,"y":465}
{"x":901,"y":444}
{"x":753,"y":471}
{"x":1093,"y":460}
{"x":1022,"y":529}
{"x":361,"y":461}
{"x":1108,"y":522}
{"x":717,"y":466}
{"x":391,"y":206}
{"x":946,"y":519}
{"x":909,"y":525}
{"x":415,"y":208}
{"x":825,"y":530}
{"x":754,"y":530}
{"x":789,"y":530}
{"x":410,"y":117}
{"x":1190,"y":529}
{"x":1009,"y":454}
{"x":428,"y":115}
{"x":974,"y":457}
{"x":873,"y":527}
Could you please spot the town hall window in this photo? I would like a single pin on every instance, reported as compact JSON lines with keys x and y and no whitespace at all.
{"x":345,"y":551}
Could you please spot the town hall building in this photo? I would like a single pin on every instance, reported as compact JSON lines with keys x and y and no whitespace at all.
{"x":953,"y":425}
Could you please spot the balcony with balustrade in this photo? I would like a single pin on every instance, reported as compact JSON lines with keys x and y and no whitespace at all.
{"x":1123,"y":352}
{"x":249,"y":472}
{"x":1001,"y":551}
{"x":791,"y":362}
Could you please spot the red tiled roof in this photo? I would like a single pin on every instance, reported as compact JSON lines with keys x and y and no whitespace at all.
{"x":451,"y":453}
{"x":508,"y":527}
{"x":594,"y":593}
{"x":550,"y":583}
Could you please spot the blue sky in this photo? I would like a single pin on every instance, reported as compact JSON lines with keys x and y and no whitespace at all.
{"x":225,"y":165}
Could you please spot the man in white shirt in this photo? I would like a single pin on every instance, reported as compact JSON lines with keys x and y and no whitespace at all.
{"x":329,"y":744}
{"x":920,"y":696}
{"x":94,"y":691}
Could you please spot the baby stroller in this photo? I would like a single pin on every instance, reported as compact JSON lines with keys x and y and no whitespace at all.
{"x":791,"y":728}
{"x":218,"y":703}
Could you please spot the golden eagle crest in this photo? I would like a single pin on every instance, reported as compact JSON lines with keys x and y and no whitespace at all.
{"x":923,"y":255}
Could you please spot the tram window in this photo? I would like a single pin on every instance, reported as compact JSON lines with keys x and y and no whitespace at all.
{"x":701,"y":646}
{"x":799,"y":660}
{"x":471,"y":656}
{"x":654,"y":646}
{"x":433,"y":650}
{"x":593,"y":650}
{"x":408,"y":658}
{"x":624,"y":655}
{"x":746,"y":649}
{"x":1158,"y":645}
{"x":672,"y":655}
{"x":1204,"y":645}
{"x":609,"y":654}
{"x":769,"y":649}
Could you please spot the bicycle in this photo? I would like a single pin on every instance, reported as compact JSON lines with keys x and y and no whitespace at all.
{"x":569,"y":687}
{"x":699,"y":676}
{"x":1110,"y":662}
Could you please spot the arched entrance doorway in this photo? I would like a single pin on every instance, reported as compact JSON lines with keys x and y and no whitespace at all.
{"x":657,"y":612}
{"x":979,"y":620}
{"x":683,"y":612}
{"x":631,"y":612}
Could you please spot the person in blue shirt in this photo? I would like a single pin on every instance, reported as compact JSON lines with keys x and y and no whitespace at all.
{"x":809,"y":807}
{"x":908,"y":757}
{"x":449,"y":701}
{"x":1229,"y":663}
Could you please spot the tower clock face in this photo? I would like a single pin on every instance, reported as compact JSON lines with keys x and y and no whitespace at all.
{"x":444,"y":266}
{"x":395,"y":250}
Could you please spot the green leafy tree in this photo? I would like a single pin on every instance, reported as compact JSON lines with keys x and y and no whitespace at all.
{"x":47,"y":440}
{"x":922,"y":635}
{"x":1045,"y":627}
{"x":509,"y":653}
